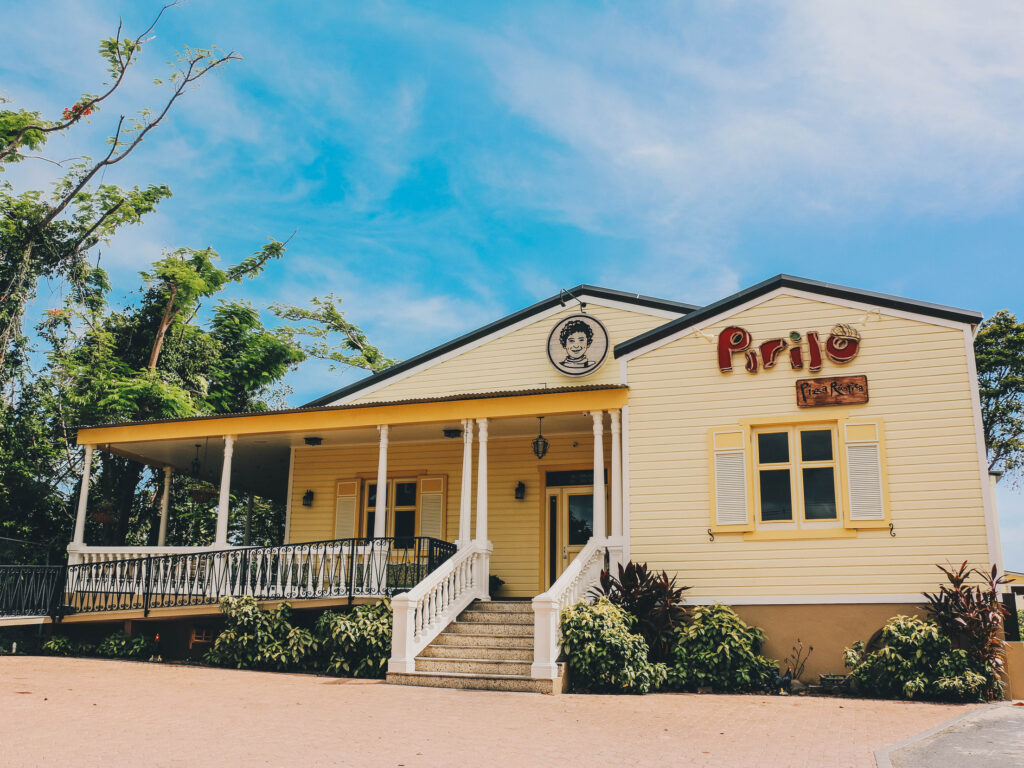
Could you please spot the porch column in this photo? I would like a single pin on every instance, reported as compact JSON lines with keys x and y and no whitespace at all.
{"x":616,"y":475}
{"x":467,"y":482}
{"x":83,"y":498}
{"x":481,"y":486}
{"x":165,"y":506}
{"x":599,"y":527}
{"x":380,"y":517}
{"x":225,"y":492}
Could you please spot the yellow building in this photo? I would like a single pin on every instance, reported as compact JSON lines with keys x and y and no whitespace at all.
{"x":804,"y":452}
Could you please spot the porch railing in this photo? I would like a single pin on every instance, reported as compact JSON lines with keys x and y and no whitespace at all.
{"x":423,"y":612}
{"x":30,"y":590}
{"x":322,"y":569}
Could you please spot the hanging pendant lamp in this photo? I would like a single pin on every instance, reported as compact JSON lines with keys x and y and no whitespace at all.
{"x":540,"y":444}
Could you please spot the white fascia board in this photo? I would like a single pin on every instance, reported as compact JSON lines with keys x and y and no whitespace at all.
{"x":427,"y":364}
{"x":915,"y":598}
{"x":857,"y":305}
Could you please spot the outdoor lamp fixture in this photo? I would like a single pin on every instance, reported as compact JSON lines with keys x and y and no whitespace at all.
{"x":452,"y":434}
{"x":520,"y":490}
{"x":540,"y":444}
{"x":313,"y":440}
{"x":196,"y":466}
{"x":307,"y":499}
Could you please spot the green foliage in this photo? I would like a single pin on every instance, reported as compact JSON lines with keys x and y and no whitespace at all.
{"x":971,"y":616}
{"x":916,"y":661}
{"x":652,"y":598}
{"x":717,"y":650}
{"x":257,"y":639}
{"x":120,"y":645}
{"x":60,"y":645}
{"x":999,"y":352}
{"x":356,"y":643}
{"x":602,"y":653}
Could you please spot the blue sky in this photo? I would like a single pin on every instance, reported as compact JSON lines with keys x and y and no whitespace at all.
{"x":445,"y":163}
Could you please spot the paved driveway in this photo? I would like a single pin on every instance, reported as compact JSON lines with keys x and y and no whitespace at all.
{"x":86,"y":712}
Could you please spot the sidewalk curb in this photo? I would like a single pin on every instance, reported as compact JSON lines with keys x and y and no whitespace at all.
{"x":882,"y":755}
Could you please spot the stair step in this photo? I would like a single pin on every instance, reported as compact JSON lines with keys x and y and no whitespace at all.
{"x":460,"y":627}
{"x":479,"y":682}
{"x":498,"y":606}
{"x":495,"y":617}
{"x":477,"y":666}
{"x":478,"y":639}
{"x":495,"y":652}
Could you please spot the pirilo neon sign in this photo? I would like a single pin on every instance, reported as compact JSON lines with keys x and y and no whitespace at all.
{"x":841,"y":346}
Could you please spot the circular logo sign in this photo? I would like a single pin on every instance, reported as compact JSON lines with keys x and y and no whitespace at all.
{"x":578,"y":345}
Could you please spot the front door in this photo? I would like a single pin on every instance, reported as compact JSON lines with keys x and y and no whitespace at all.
{"x":570,"y":525}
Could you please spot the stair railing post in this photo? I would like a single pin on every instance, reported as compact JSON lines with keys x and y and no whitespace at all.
{"x":545,"y":638}
{"x":402,"y":659}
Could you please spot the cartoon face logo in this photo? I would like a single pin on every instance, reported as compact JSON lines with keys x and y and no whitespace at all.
{"x":578,"y":345}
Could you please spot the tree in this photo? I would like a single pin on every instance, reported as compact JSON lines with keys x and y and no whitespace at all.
{"x":49,"y":235}
{"x":999,"y":351}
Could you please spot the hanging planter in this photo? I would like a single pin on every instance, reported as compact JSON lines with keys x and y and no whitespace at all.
{"x":102,"y":517}
{"x":201,"y":494}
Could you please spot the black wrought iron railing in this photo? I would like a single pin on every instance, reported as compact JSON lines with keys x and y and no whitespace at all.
{"x":30,"y":590}
{"x":338,"y":568}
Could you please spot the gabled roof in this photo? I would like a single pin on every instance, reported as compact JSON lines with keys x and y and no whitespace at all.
{"x":798,"y":283}
{"x":590,"y":291}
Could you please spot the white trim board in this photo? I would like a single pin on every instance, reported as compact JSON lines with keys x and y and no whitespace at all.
{"x":527,"y":321}
{"x":917,"y":599}
{"x":810,"y":295}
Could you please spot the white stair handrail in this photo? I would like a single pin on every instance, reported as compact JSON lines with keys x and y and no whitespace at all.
{"x":422,"y":613}
{"x":582,"y":574}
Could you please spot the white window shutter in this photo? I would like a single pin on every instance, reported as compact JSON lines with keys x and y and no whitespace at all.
{"x":346,"y":509}
{"x":730,"y":489}
{"x":432,"y":507}
{"x":864,"y":465}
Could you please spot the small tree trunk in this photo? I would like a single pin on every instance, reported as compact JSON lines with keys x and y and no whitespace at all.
{"x":165,"y":323}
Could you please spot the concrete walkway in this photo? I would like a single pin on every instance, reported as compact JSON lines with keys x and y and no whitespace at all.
{"x":90,"y":712}
{"x":992,"y":737}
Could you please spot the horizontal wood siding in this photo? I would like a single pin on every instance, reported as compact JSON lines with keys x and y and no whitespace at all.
{"x":919,"y":387}
{"x":517,"y":360}
{"x":514,"y":527}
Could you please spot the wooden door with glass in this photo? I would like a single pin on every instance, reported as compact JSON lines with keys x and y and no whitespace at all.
{"x":569,"y":518}
{"x":401,"y":509}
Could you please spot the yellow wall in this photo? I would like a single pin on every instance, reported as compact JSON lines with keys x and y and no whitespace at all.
{"x":514,"y":527}
{"x":517,"y":360}
{"x":919,"y":385}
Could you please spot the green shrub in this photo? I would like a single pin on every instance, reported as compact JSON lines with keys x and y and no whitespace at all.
{"x":59,"y":645}
{"x":652,"y":598}
{"x":355,"y":643}
{"x":717,"y":650}
{"x":602,"y":654}
{"x":257,"y":639}
{"x":122,"y":646}
{"x":916,"y":660}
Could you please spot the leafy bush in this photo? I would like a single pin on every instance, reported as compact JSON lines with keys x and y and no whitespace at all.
{"x":602,"y":654}
{"x":652,"y":598}
{"x":356,"y":642}
{"x":60,"y":645}
{"x":717,"y":650}
{"x":122,"y":646}
{"x":916,"y":660}
{"x":257,"y":639}
{"x":972,"y":618}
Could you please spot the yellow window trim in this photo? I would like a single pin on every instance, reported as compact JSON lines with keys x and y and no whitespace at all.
{"x":394,"y":478}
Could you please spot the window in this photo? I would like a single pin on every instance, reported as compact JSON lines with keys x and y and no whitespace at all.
{"x":415,"y":507}
{"x":796,"y":476}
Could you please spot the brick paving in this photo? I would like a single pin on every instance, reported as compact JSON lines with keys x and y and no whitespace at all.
{"x":89,"y":712}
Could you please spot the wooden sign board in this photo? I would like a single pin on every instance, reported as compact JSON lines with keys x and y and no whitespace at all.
{"x":833,"y":390}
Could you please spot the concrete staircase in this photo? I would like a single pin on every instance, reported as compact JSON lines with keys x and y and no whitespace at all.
{"x":488,"y":647}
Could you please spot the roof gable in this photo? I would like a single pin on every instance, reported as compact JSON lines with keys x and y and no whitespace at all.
{"x":585,"y":293}
{"x":732,"y":303}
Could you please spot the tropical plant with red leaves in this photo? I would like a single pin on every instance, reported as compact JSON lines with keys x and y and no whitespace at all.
{"x":971,"y":616}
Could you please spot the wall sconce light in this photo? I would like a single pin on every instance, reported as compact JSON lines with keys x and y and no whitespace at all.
{"x":520,"y":490}
{"x":307,"y":499}
{"x":540,"y":444}
{"x":313,"y":440}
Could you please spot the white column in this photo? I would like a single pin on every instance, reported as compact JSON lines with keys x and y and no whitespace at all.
{"x":83,"y":498}
{"x":467,"y":483}
{"x":481,"y":485}
{"x":599,"y":526}
{"x":616,"y":476}
{"x":380,"y":516}
{"x":165,"y":506}
{"x":225,"y":492}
